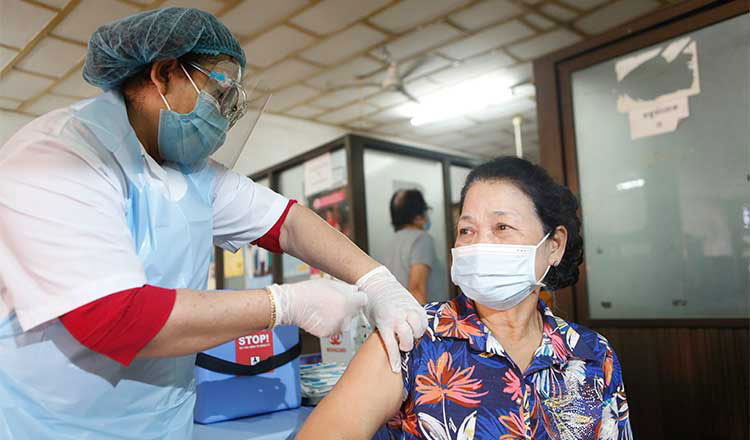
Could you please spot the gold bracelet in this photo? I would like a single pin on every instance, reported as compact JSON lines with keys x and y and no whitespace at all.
{"x":273,"y":308}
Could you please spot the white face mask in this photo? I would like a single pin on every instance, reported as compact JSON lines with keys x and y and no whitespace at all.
{"x":498,"y":276}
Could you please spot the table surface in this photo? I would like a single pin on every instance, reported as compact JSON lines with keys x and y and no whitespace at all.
{"x":280,"y":425}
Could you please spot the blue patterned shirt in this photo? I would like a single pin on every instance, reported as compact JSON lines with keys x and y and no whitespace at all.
{"x":459,"y":383}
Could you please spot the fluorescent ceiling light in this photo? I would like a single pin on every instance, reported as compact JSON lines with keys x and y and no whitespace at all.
{"x":467,"y":97}
{"x":630,"y":184}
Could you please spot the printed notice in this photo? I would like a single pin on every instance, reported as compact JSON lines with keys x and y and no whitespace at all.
{"x":654,"y":86}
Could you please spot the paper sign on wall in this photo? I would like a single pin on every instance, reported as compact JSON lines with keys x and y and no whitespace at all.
{"x":318,"y":174}
{"x":234,"y":264}
{"x":655,"y":86}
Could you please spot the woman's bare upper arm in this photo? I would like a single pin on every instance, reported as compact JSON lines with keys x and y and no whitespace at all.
{"x":366,"y":396}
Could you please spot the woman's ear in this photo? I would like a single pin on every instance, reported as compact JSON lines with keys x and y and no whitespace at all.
{"x":161,"y":72}
{"x":558,"y":240}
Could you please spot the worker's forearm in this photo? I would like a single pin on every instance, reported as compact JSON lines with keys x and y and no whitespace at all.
{"x":309,"y":238}
{"x":201,"y":320}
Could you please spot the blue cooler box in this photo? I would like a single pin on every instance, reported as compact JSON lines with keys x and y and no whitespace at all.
{"x":249,"y":376}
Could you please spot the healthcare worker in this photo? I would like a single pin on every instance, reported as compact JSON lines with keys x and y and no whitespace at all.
{"x":108,"y":212}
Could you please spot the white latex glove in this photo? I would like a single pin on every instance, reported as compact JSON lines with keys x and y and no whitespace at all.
{"x":394,"y":311}
{"x":321,"y":307}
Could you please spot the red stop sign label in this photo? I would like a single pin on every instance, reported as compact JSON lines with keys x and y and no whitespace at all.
{"x":254,"y":348}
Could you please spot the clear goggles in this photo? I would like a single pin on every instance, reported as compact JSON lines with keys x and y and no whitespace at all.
{"x":228,"y":92}
{"x":237,"y":101}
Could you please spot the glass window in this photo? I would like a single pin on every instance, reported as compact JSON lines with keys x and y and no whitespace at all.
{"x":386,"y":173}
{"x":664,"y":168}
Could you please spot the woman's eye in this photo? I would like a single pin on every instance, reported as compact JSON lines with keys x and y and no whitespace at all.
{"x":503,"y":227}
{"x":464,"y":231}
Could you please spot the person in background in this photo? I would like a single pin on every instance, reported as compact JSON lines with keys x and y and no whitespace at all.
{"x":495,"y":363}
{"x":412,"y":251}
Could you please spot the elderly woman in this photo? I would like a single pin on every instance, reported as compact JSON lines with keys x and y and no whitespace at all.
{"x":495,"y":362}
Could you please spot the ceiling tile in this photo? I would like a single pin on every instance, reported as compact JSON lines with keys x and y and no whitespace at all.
{"x":342,"y":97}
{"x":53,"y":57}
{"x":422,"y":86}
{"x":342,"y":45}
{"x":409,"y":13}
{"x":504,"y":110}
{"x":615,"y":14}
{"x":431,"y":64}
{"x":9,"y":104}
{"x":544,"y":44}
{"x":286,"y":72}
{"x":473,"y":67}
{"x":210,"y":6}
{"x":487,"y":39}
{"x":445,"y":126}
{"x":304,"y":111}
{"x":361,"y":124}
{"x":19,"y":85}
{"x":583,"y":4}
{"x":6,"y":55}
{"x":518,"y":74}
{"x":558,"y":12}
{"x":251,"y":16}
{"x":402,"y":128}
{"x":76,"y":86}
{"x":54,"y":3}
{"x":422,"y":39}
{"x":388,"y":117}
{"x":275,"y":45}
{"x":333,"y":15}
{"x":387,"y":99}
{"x":290,"y":96}
{"x":345,"y":74}
{"x":539,"y":21}
{"x":21,"y":21}
{"x":348,"y":113}
{"x":485,"y":13}
{"x":89,"y":15}
{"x":48,"y":102}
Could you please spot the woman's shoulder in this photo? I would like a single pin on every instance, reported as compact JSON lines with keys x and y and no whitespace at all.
{"x":600,"y":347}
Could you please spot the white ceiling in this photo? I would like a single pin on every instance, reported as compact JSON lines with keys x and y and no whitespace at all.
{"x":302,"y":49}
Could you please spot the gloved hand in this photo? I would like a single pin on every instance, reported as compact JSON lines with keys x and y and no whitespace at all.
{"x":394,"y":311}
{"x":321,"y":307}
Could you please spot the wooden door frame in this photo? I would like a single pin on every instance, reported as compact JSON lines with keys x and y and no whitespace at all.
{"x":552,"y":75}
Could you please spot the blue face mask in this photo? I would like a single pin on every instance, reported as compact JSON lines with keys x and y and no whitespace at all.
{"x":428,"y":225}
{"x":189,"y":138}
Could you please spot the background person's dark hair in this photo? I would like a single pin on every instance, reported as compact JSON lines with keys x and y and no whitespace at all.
{"x":406,"y":205}
{"x":555,"y":205}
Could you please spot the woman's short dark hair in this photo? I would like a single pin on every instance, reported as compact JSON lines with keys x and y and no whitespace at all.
{"x":406,"y":206}
{"x":554,"y":204}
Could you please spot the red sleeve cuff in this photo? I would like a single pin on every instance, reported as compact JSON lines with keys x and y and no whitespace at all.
{"x":121,"y":324}
{"x":271,"y":240}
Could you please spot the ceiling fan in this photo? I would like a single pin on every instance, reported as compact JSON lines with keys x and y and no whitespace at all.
{"x":393,"y":81}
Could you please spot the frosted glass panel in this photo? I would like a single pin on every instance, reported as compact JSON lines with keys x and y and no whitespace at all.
{"x":292,"y":185}
{"x":458,"y":178}
{"x":386,"y":173}
{"x":666,"y":211}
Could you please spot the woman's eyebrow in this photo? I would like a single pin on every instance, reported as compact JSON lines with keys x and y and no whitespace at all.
{"x":500,"y":212}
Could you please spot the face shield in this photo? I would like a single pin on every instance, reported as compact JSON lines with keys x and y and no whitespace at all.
{"x":241,"y":100}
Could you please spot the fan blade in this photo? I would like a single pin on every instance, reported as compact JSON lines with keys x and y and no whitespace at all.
{"x":403,"y":91}
{"x":417,"y":64}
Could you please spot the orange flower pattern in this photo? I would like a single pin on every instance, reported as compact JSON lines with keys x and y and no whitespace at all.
{"x":445,"y":382}
{"x":460,"y":386}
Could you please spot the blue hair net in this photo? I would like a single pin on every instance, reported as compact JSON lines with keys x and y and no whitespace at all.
{"x":122,"y":48}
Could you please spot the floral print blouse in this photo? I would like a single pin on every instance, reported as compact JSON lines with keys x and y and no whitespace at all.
{"x":460,"y":384}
